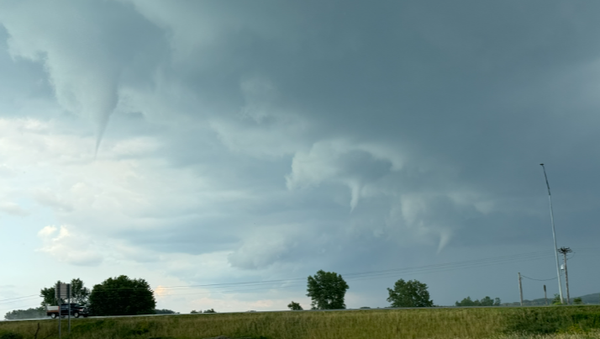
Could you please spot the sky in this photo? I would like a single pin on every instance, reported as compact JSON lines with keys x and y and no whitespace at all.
{"x":226,"y":150}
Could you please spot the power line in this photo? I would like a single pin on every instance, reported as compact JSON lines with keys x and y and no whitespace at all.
{"x":243,"y":286}
{"x":485,"y":262}
{"x":526,"y":277}
{"x":17,"y":298}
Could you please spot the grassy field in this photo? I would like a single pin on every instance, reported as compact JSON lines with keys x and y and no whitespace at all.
{"x":564,"y":322}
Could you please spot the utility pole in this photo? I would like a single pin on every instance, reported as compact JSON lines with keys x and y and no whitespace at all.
{"x":520,"y":289}
{"x":564,"y":251}
{"x":554,"y":236}
{"x":545,"y":295}
{"x":59,"y":302}
{"x":69,"y":303}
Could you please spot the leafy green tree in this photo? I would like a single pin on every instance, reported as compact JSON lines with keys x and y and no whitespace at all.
{"x":31,"y":313}
{"x":327,"y":290}
{"x":486,"y":301}
{"x":412,"y":293}
{"x":48,"y":295}
{"x":194,"y":312}
{"x":577,"y":301}
{"x":294,"y":306}
{"x":210,"y":310}
{"x":122,"y":296}
{"x":556,"y":300}
{"x":467,"y":302}
{"x":164,"y":311}
{"x":79,"y":293}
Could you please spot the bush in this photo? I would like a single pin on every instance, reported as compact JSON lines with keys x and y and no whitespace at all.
{"x":553,"y":320}
{"x":10,"y":335}
{"x":586,"y":320}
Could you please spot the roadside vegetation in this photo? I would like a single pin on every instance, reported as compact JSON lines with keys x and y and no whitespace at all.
{"x":326,"y":320}
{"x":493,"y":322}
{"x":487,"y":301}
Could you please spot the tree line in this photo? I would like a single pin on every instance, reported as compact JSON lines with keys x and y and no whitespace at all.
{"x":114,"y":296}
{"x":327,"y":291}
{"x":124,"y":296}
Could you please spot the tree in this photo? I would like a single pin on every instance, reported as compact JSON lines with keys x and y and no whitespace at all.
{"x":30,"y":313}
{"x":410,"y":293}
{"x":467,"y":302}
{"x":487,"y":301}
{"x":578,"y":301}
{"x":556,"y":300}
{"x":327,"y":290}
{"x":122,"y":296}
{"x":49,"y":295}
{"x":210,"y":310}
{"x":294,"y":306}
{"x":79,"y":293}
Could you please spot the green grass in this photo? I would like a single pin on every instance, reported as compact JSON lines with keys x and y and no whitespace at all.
{"x":497,"y":323}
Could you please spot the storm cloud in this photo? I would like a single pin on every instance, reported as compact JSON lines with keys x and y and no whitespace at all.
{"x":266,"y":140}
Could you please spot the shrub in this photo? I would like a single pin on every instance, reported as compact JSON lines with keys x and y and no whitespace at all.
{"x":10,"y":335}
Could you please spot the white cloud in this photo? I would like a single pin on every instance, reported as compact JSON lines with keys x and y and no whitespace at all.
{"x":233,"y":302}
{"x":126,"y":189}
{"x":68,"y":246}
{"x":341,"y":161}
{"x":48,"y":198}
{"x":31,"y":144}
{"x":262,"y":249}
{"x":132,"y":147}
{"x":123,"y":251}
{"x":47,"y":231}
{"x":6,"y":171}
{"x":160,"y":292}
{"x":13,"y":209}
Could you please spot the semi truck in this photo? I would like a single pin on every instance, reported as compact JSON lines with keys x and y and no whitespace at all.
{"x":75,"y":309}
